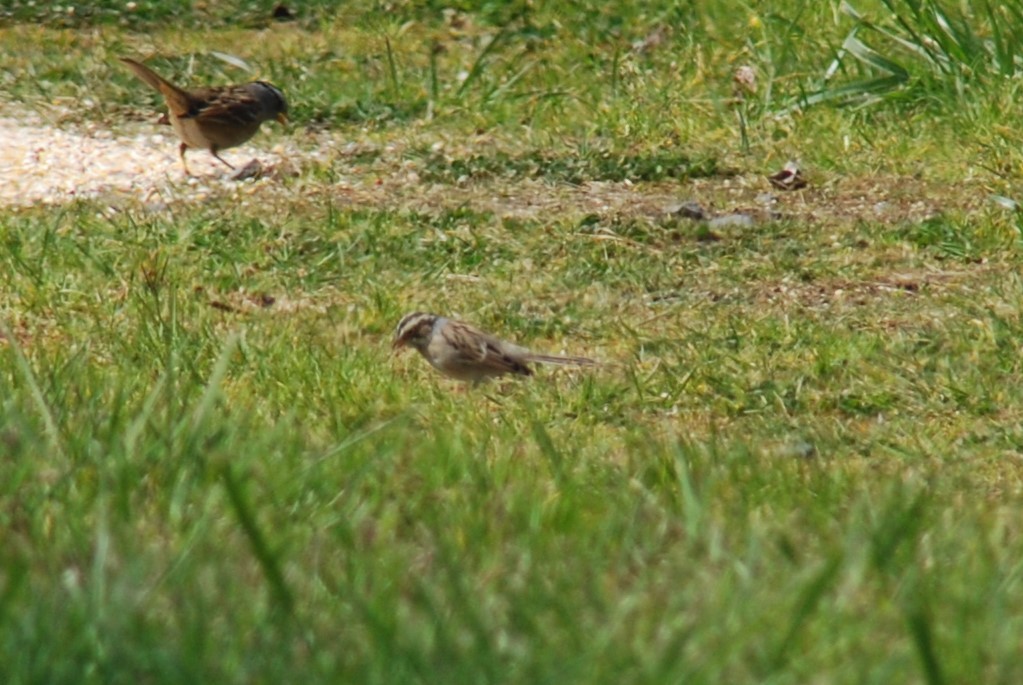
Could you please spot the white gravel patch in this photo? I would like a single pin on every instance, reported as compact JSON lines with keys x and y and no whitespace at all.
{"x":41,"y":164}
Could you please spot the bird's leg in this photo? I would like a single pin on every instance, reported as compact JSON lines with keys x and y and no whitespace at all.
{"x":181,"y":151}
{"x":213,"y":151}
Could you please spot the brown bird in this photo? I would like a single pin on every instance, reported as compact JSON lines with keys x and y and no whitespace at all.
{"x":464,"y":352}
{"x":215,"y":118}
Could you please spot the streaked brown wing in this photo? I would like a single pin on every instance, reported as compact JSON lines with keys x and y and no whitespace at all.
{"x":232,"y":106}
{"x":497,"y":358}
{"x":479,"y":350}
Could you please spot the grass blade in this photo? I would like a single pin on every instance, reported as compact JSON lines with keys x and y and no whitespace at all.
{"x":260,"y":548}
{"x":554,"y":457}
{"x":481,"y":60}
{"x":804,"y":609}
{"x":919,"y":622}
{"x":36,"y":392}
{"x":392,"y":68}
{"x":868,"y":55}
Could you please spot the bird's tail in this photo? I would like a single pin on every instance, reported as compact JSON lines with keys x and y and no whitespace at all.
{"x":175,"y":96}
{"x":561,"y":361}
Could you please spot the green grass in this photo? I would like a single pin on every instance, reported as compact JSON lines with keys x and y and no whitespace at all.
{"x":799,"y":463}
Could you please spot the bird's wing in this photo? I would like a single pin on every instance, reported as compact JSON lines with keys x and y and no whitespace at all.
{"x":504,"y":358}
{"x":229,"y":105}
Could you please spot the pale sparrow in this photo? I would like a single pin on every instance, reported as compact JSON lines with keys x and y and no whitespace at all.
{"x":215,"y":118}
{"x":466,"y":353}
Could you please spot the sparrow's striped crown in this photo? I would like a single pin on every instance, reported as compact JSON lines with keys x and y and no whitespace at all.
{"x":414,"y":329}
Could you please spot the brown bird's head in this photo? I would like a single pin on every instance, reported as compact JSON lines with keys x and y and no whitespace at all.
{"x":414,"y":331}
{"x":273,"y":100}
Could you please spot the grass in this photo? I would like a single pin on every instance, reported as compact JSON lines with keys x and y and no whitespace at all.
{"x":800,"y":463}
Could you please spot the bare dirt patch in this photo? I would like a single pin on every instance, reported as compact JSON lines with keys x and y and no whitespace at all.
{"x":828,"y":293}
{"x":43,"y":164}
{"x":396,"y":184}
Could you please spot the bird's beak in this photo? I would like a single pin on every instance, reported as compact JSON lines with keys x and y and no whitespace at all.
{"x":397,"y":344}
{"x":282,"y":118}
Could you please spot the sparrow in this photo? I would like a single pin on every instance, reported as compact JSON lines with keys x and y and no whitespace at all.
{"x":215,"y":118}
{"x":464,"y":352}
{"x":789,"y":178}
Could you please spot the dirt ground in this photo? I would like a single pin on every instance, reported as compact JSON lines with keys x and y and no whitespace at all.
{"x":41,"y":163}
